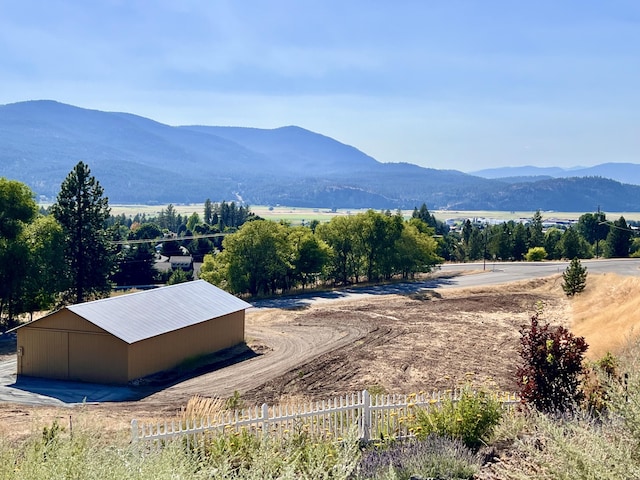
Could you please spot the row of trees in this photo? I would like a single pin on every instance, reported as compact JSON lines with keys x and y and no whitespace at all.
{"x":265,"y":257}
{"x":591,"y":236}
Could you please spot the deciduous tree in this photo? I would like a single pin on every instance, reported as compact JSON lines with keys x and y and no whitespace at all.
{"x":17,"y":209}
{"x":257,"y":258}
{"x":45,"y":241}
{"x":309,"y":255}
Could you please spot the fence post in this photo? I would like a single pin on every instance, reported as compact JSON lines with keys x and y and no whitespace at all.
{"x":134,"y":430}
{"x":365,"y":421}
{"x":265,"y":418}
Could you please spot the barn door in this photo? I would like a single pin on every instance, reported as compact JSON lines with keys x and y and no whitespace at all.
{"x":45,"y":353}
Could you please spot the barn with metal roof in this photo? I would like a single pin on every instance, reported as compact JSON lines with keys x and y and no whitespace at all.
{"x":124,"y":338}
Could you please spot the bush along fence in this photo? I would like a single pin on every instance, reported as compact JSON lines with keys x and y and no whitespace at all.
{"x":375,"y":417}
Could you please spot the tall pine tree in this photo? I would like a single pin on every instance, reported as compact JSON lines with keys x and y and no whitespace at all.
{"x":82,"y":211}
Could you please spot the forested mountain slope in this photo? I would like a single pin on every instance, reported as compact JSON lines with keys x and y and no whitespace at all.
{"x":139,"y":160}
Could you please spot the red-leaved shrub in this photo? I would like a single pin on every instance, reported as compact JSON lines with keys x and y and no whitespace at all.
{"x":551,"y":364}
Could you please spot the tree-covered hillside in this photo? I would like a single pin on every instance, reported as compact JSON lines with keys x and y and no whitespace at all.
{"x":142,"y":161}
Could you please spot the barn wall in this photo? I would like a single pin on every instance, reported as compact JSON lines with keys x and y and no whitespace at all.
{"x":97,"y":358}
{"x":65,"y":320}
{"x":170,"y":349}
{"x":66,"y":347}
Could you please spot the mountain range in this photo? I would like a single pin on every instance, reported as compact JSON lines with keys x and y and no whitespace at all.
{"x":139,"y":160}
{"x":621,"y":172}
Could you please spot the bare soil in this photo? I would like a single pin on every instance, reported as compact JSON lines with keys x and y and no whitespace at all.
{"x":432,"y":340}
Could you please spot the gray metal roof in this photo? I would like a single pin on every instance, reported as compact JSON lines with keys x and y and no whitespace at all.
{"x":142,"y":315}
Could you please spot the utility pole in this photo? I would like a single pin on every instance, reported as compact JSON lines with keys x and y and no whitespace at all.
{"x":598,"y":232}
{"x":484,"y":256}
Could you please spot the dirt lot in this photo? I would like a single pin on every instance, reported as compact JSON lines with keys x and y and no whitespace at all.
{"x":429,"y":340}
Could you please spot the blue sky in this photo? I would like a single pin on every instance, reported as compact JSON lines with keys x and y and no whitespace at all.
{"x":452,"y":84}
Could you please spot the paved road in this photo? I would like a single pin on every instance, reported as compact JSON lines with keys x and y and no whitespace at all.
{"x":46,"y":392}
{"x":461,"y":275}
{"x":491,"y":273}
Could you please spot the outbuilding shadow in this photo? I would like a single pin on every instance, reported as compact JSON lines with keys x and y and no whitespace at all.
{"x":304,"y":300}
{"x":70,"y":392}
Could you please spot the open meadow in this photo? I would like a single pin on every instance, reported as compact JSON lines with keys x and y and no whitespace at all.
{"x":299,"y":215}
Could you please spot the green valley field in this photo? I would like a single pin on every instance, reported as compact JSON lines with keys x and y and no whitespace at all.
{"x":298,"y":215}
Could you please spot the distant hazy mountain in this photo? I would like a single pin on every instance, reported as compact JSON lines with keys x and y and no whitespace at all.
{"x":138,"y":160}
{"x":621,"y":172}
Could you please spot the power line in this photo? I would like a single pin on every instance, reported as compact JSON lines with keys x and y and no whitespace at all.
{"x":167,"y":239}
{"x":612,"y":225}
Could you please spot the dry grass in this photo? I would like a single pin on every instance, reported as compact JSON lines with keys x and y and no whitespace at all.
{"x":607,"y":313}
{"x":200,"y":408}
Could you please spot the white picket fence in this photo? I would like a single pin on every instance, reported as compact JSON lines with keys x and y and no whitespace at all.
{"x":375,"y":417}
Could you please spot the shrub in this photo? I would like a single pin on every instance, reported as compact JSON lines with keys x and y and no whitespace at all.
{"x":536,"y":254}
{"x":574,"y":278}
{"x":471,"y":419}
{"x":234,"y":402}
{"x":599,"y":378}
{"x":432,"y":457}
{"x":549,"y":375}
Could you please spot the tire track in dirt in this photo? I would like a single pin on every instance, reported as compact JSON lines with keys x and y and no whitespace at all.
{"x":288,"y":345}
{"x":320,"y":375}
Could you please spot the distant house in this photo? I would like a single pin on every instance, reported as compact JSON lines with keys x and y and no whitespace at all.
{"x":120,"y":339}
{"x":175,"y":262}
{"x":182,"y":262}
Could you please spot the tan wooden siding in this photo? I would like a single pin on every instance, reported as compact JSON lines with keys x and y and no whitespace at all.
{"x":67,"y":347}
{"x":99,"y":358}
{"x":170,"y":349}
{"x":43,"y":353}
{"x":66,"y":320}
